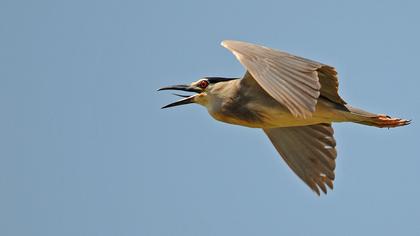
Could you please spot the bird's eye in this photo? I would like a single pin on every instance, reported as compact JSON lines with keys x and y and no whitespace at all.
{"x":203,"y":84}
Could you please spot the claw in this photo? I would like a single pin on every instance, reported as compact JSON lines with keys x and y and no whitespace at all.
{"x":388,"y":122}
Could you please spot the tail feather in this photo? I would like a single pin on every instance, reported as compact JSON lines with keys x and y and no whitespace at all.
{"x":377,"y":120}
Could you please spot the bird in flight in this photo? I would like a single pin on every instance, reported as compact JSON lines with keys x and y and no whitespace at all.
{"x":292,"y":99}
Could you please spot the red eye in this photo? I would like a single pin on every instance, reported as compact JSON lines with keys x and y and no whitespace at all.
{"x":203,"y":84}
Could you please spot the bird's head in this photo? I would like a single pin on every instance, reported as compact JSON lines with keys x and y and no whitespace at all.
{"x":202,"y":87}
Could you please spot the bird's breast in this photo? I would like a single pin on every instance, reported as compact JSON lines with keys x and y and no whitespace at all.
{"x":239,"y":113}
{"x":235,"y":120}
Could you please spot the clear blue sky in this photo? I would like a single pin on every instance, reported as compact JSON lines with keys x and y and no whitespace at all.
{"x":85,"y":149}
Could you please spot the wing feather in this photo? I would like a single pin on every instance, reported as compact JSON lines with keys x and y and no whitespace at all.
{"x":293,"y":81}
{"x":309,"y":151}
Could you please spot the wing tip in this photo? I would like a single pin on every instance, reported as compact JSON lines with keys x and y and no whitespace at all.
{"x":225,"y":43}
{"x":320,"y":184}
{"x":230,"y":43}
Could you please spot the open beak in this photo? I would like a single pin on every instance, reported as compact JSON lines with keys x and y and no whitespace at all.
{"x":186,"y":99}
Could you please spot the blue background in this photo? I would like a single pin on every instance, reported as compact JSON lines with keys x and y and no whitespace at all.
{"x":85,"y":149}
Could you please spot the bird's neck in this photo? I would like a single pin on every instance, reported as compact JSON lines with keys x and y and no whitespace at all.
{"x":221,"y":93}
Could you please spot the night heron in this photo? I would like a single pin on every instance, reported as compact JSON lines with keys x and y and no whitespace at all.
{"x":293,"y":99}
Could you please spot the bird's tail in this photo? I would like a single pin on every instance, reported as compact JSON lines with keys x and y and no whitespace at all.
{"x":378,"y":120}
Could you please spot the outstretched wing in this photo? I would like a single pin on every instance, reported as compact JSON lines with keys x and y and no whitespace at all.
{"x":309,"y":151}
{"x":293,"y":81}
